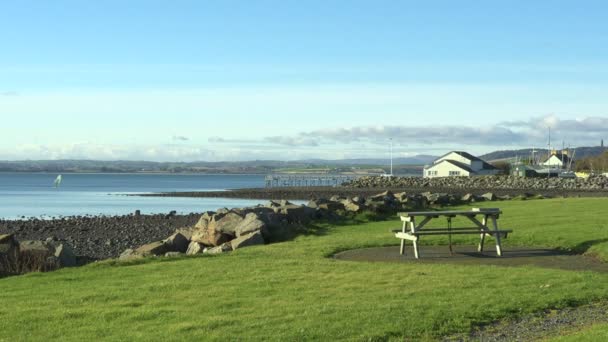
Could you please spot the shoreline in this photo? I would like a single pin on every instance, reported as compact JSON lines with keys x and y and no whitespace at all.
{"x":308,"y":193}
{"x":99,"y":237}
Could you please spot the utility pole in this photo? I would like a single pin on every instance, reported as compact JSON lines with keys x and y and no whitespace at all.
{"x":391,"y":153}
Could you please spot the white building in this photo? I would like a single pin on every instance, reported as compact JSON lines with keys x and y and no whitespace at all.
{"x":557,"y":160}
{"x":458,"y":163}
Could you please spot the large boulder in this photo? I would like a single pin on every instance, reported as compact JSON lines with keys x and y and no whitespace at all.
{"x":44,"y":256}
{"x":225,"y":224}
{"x":489,"y":196}
{"x":469,"y":197}
{"x":195,"y":248}
{"x":332,"y":206}
{"x":187,"y":232}
{"x":221,"y":228}
{"x":401,"y":197}
{"x":223,"y":248}
{"x":153,"y":248}
{"x":176,"y":243}
{"x":314,"y":203}
{"x":250,"y":224}
{"x":350,"y":205}
{"x":9,"y":252}
{"x":203,"y":222}
{"x":65,"y":255}
{"x":129,"y":254}
{"x":251,"y":239}
{"x":209,"y":237}
{"x":386,"y":196}
{"x":298,"y":213}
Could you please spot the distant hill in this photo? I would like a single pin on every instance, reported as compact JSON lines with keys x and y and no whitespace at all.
{"x":254,"y":166}
{"x":420,"y":159}
{"x":580,"y":152}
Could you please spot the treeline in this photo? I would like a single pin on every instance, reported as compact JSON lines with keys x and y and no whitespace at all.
{"x":593,"y":164}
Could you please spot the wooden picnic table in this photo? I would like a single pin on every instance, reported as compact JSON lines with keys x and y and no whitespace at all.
{"x":412,"y":231}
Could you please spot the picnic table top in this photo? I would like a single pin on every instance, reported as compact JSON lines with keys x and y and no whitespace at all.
{"x":472,"y":212}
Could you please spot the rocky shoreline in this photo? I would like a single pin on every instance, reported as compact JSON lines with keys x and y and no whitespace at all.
{"x":307,"y":193}
{"x":99,"y":237}
{"x":594,"y":186}
{"x":103,"y":237}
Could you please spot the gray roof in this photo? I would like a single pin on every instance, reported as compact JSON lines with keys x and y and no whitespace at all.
{"x":467,"y":155}
{"x":460,"y":165}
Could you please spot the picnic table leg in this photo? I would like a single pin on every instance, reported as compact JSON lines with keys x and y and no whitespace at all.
{"x":482,"y":236}
{"x":402,"y":249}
{"x":497,"y":237}
{"x":413,"y":230}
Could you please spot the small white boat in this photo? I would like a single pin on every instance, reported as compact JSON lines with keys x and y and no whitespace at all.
{"x":57,"y":181}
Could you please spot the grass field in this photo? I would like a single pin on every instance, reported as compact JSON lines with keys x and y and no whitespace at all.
{"x":293,"y":291}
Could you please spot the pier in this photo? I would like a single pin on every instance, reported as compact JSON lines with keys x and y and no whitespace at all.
{"x":276,"y":180}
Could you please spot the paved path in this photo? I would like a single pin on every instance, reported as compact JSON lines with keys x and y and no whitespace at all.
{"x":468,"y":255}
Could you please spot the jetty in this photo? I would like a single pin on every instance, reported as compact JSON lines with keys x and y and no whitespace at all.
{"x":305,"y":180}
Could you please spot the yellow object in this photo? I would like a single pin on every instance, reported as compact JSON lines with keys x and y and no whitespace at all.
{"x":582,"y":174}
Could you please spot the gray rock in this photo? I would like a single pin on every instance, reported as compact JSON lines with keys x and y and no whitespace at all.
{"x":252,"y":239}
{"x":37,"y":256}
{"x":489,"y":196}
{"x":250,"y":224}
{"x":352,"y":206}
{"x":401,"y":197}
{"x":9,"y":253}
{"x":317,"y":202}
{"x":65,"y":255}
{"x":153,"y":248}
{"x":173,"y":254}
{"x":129,"y":254}
{"x":223,"y":248}
{"x":220,"y":229}
{"x":176,"y":243}
{"x":225,"y":224}
{"x":468,"y":198}
{"x":386,"y":196}
{"x":332,"y":206}
{"x":195,"y":248}
{"x":359,"y":200}
{"x":299,"y":214}
{"x":187,"y":232}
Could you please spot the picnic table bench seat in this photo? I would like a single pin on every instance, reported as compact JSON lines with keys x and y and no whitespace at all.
{"x":457,"y":231}
{"x":412,"y":231}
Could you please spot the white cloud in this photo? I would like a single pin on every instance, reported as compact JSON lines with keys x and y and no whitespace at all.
{"x":588,"y":130}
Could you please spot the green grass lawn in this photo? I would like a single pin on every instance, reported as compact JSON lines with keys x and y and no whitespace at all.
{"x":594,"y":333}
{"x":293,"y":291}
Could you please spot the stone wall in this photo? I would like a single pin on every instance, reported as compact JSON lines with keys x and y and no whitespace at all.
{"x":593,"y":183}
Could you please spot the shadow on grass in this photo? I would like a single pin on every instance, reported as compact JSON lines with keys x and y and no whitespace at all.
{"x":583,"y":247}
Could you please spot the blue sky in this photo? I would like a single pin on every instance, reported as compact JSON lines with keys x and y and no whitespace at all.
{"x":234,"y":80}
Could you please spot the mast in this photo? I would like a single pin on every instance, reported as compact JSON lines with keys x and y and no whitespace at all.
{"x":549,"y":145}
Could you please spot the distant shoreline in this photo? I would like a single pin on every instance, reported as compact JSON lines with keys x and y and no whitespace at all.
{"x":136,"y":173}
{"x":307,"y":193}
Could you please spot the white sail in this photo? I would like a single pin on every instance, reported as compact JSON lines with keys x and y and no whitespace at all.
{"x":57,"y":181}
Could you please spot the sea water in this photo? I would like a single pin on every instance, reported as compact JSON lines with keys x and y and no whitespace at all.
{"x":24,"y":195}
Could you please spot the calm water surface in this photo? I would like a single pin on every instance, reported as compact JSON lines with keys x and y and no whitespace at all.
{"x":33,"y":194}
